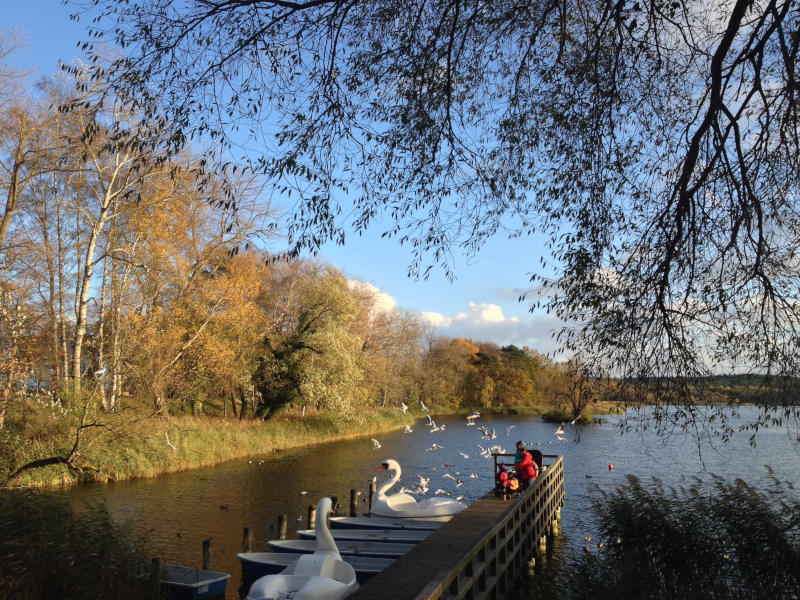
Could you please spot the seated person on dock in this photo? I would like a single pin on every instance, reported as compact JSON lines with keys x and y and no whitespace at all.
{"x":501,"y":479}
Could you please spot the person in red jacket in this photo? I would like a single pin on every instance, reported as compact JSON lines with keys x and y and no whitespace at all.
{"x":502,"y":481}
{"x":526,"y":468}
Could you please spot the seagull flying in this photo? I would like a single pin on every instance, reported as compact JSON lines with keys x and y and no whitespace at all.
{"x":422,"y":406}
{"x":508,"y":430}
{"x":375,"y":444}
{"x":408,"y":429}
{"x":463,"y":454}
{"x":168,"y":442}
{"x":560,"y":430}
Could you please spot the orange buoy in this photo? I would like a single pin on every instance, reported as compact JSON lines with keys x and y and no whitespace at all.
{"x":610,"y":467}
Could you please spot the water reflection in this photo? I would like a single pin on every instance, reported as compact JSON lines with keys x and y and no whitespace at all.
{"x":183,"y":509}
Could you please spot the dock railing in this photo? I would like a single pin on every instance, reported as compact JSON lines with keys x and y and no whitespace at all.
{"x":483,"y":550}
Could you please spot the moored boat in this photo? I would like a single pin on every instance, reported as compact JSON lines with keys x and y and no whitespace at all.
{"x":258,"y":564}
{"x":321,"y":575}
{"x":189,"y":583}
{"x":405,"y":505}
{"x":386,"y":523}
{"x":346,"y":548}
{"x":371,"y":535}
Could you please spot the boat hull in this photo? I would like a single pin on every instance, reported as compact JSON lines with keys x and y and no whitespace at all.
{"x":188,"y":583}
{"x":386,"y":523}
{"x":397,"y":507}
{"x":346,"y":548}
{"x":258,"y":564}
{"x":371,"y":535}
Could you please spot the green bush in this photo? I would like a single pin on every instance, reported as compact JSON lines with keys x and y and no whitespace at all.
{"x":708,"y":540}
{"x":48,"y":551}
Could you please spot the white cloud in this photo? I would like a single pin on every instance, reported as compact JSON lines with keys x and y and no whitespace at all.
{"x":435,"y":319}
{"x":486,"y":323}
{"x":481,"y":322}
{"x":383,"y":301}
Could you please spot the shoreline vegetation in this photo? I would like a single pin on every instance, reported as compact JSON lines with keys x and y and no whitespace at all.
{"x":158,"y":446}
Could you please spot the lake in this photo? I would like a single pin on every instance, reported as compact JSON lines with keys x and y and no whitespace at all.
{"x":182,"y":510}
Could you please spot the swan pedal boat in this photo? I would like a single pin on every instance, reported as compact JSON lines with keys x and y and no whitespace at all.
{"x":258,"y":564}
{"x":371,"y":535}
{"x":385,"y":523}
{"x":322,"y":575}
{"x":405,"y":505}
{"x":346,"y":548}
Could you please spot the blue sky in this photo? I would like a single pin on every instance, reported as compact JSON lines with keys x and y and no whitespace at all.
{"x":480,"y":304}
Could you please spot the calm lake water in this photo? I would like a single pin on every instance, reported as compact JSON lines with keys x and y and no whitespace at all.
{"x":182,"y":510}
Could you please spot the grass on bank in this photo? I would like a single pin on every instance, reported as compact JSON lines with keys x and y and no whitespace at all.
{"x":131,"y":445}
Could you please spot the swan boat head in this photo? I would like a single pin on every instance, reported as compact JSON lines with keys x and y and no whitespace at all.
{"x":405,"y":505}
{"x":322,"y":575}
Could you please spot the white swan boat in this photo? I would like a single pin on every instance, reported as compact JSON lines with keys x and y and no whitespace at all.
{"x":405,"y":505}
{"x":351,"y":548}
{"x":322,"y":575}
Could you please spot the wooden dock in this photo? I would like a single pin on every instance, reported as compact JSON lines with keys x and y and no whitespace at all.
{"x":482,"y":551}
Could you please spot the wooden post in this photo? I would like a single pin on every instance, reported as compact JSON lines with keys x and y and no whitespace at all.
{"x":334,"y":505}
{"x":155,"y":577}
{"x":372,"y":487}
{"x":353,"y":502}
{"x":207,"y":554}
{"x":282,"y":527}
{"x":541,"y":553}
{"x":312,"y":517}
{"x":247,"y":540}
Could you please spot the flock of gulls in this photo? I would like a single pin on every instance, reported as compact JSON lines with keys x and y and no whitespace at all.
{"x":485,"y":449}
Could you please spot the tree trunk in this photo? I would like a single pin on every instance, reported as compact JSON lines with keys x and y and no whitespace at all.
{"x":234,"y":405}
{"x":243,"y":401}
{"x":82,"y":303}
{"x":62,"y":321}
{"x":101,"y":328}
